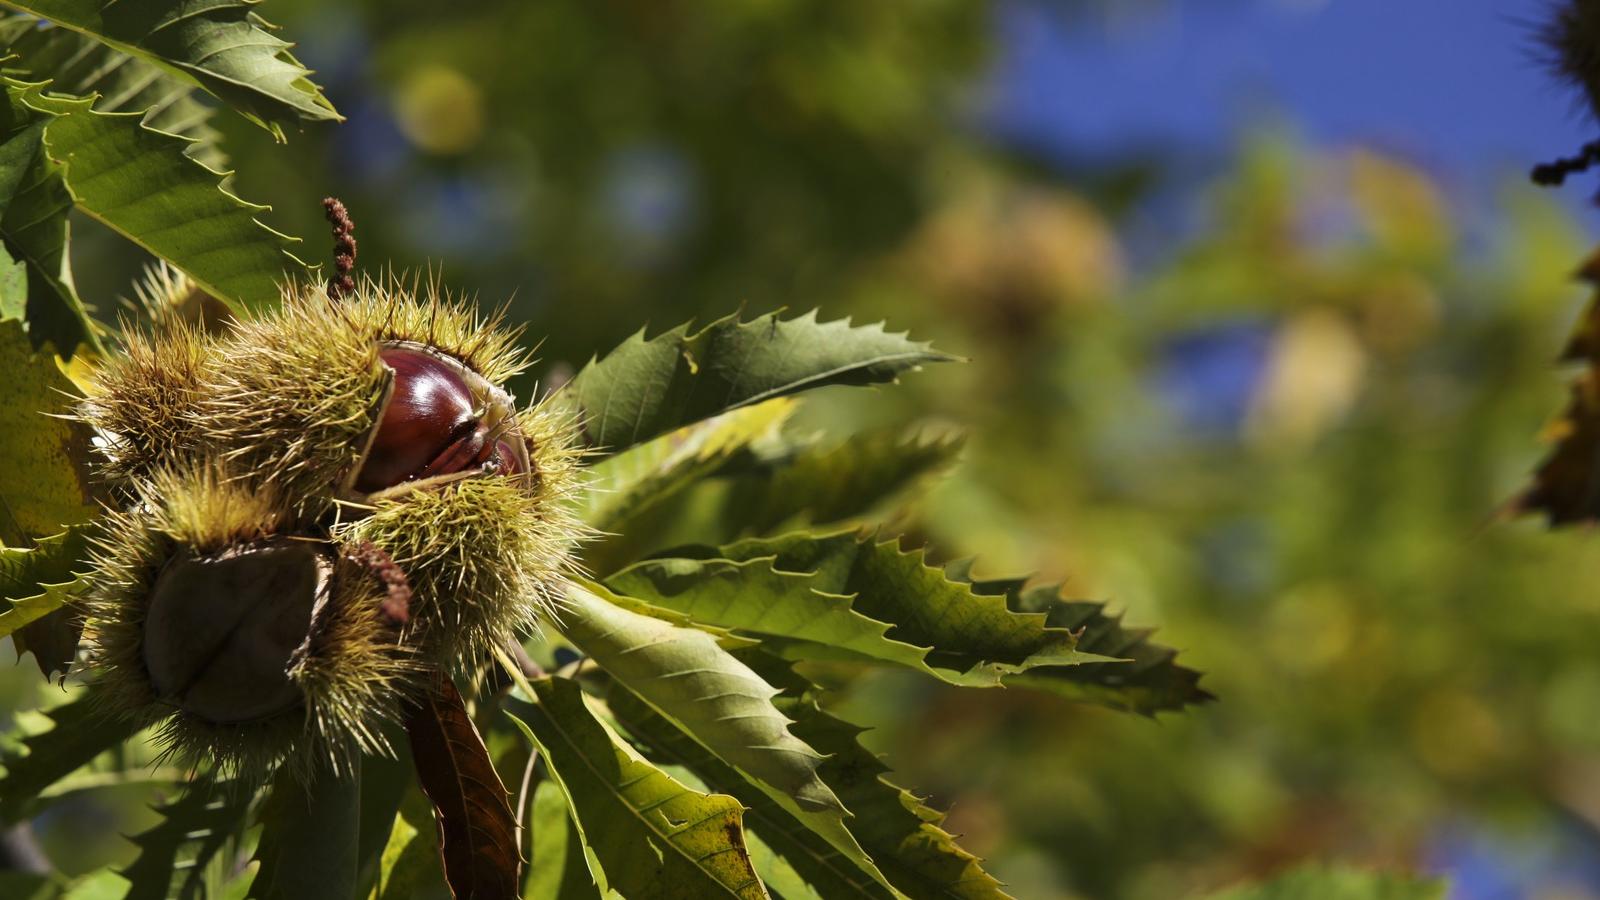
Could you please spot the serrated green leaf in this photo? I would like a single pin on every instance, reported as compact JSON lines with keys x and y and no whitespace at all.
{"x":410,"y":862}
{"x":77,"y":732}
{"x":802,"y":484}
{"x":654,"y":838}
{"x":649,"y":386}
{"x":193,"y":828}
{"x":309,"y":836}
{"x":903,"y":834}
{"x":37,"y":580}
{"x":1149,"y":680}
{"x":970,"y":639}
{"x":34,"y":205}
{"x":627,"y":484}
{"x":557,"y":869}
{"x":221,"y":46}
{"x":78,"y":65}
{"x":753,"y":598}
{"x":1320,"y":882}
{"x":699,"y":686}
{"x":626,"y":489}
{"x":140,"y":183}
{"x":383,"y":788}
{"x":817,"y":845}
{"x":45,"y":485}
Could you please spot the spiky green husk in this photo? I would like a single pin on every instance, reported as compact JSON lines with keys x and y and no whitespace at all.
{"x":303,"y":385}
{"x":257,"y":435}
{"x":168,"y":297}
{"x":486,"y":556}
{"x":352,"y":669}
{"x":143,"y":400}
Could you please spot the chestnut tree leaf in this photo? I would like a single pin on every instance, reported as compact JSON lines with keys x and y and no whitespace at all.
{"x":649,"y":386}
{"x":410,"y":861}
{"x":753,"y":598}
{"x":34,"y":205}
{"x":557,"y":869}
{"x":851,"y":596}
{"x":222,"y":46}
{"x":630,"y":483}
{"x":140,"y":183}
{"x":902,"y":835}
{"x":76,"y":64}
{"x":654,"y":838}
{"x":73,"y":735}
{"x":687,"y":677}
{"x":628,"y":490}
{"x":38,"y":580}
{"x":193,"y":828}
{"x":807,"y":841}
{"x":1145,"y":676}
{"x":816,"y":482}
{"x":46,"y":484}
{"x":309,"y":836}
{"x":476,"y":827}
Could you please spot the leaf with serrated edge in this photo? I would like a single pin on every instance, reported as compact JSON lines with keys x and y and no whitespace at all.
{"x":37,"y":580}
{"x":649,"y":386}
{"x":818,"y":483}
{"x":557,"y":869}
{"x":654,"y":838}
{"x":138,"y":182}
{"x":688,"y":678}
{"x":815,"y":844}
{"x":754,"y":598}
{"x":196,"y":826}
{"x":78,"y":65}
{"x":477,"y":829}
{"x":34,"y":206}
{"x":623,"y":486}
{"x":309,"y":835}
{"x":901,"y":832}
{"x":970,"y":639}
{"x":1147,"y":679}
{"x":78,"y":732}
{"x":219,"y":45}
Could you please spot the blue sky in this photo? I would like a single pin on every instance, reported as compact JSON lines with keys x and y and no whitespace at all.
{"x":1453,"y":84}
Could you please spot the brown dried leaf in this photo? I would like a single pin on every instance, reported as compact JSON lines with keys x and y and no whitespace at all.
{"x":476,"y":829}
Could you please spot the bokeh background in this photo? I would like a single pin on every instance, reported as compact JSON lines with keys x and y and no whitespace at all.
{"x":1262,"y":319}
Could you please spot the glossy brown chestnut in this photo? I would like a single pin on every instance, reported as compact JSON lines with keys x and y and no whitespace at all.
{"x":431,"y":426}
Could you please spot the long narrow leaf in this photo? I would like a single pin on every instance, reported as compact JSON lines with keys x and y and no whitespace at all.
{"x":687,"y":677}
{"x":649,"y":386}
{"x":477,"y":830}
{"x":654,"y":838}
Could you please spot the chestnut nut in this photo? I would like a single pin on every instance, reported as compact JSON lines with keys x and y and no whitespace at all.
{"x":435,"y":423}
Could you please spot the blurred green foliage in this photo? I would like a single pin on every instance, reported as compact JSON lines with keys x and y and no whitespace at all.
{"x":1283,"y":438}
